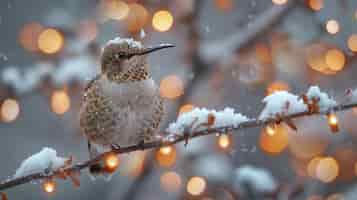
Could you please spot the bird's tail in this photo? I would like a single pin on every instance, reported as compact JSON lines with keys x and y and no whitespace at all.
{"x":97,"y":169}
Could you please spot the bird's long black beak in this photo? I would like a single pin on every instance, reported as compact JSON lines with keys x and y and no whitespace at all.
{"x":155,"y":48}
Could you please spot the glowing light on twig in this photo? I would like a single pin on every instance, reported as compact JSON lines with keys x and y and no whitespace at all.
{"x":333,"y":122}
{"x":111,"y":162}
{"x":224,"y":141}
{"x":270,"y":130}
{"x":49,"y":186}
{"x":166,"y":156}
{"x":166,"y":150}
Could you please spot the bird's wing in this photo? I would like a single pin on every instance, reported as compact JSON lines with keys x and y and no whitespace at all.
{"x":97,"y":114}
{"x":89,"y":85}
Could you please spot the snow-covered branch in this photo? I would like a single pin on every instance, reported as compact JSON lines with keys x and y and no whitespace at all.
{"x":280,"y":107}
{"x":25,"y":81}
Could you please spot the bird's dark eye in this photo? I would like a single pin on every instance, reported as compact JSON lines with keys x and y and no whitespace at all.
{"x":119,"y":56}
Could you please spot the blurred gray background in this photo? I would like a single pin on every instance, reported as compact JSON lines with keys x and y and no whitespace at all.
{"x":239,"y":79}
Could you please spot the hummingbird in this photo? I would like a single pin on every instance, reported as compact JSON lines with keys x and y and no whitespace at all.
{"x":121,"y":106}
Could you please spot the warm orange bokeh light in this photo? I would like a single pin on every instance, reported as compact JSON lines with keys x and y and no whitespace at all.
{"x":224,"y":141}
{"x":88,"y":30}
{"x":29,"y":35}
{"x":111,"y":162}
{"x":332,"y":26}
{"x":170,"y":181}
{"x":50,"y":41}
{"x":279,"y":2}
{"x":49,"y":186}
{"x":352,"y":42}
{"x":315,"y":197}
{"x":166,"y":156}
{"x":263,"y":53}
{"x":335,"y":196}
{"x":137,"y":18}
{"x":327,"y":169}
{"x":277,"y":86}
{"x":224,"y":5}
{"x":276,"y":143}
{"x":171,"y":87}
{"x":186,"y":108}
{"x":312,"y":165}
{"x":133,"y":164}
{"x":10,"y":110}
{"x":162,"y":20}
{"x":335,"y":59}
{"x":60,"y":102}
{"x":316,"y":5}
{"x":114,"y":9}
{"x":316,"y":58}
{"x":196,"y":185}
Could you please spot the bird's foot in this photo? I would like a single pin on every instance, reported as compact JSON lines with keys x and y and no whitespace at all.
{"x":186,"y":137}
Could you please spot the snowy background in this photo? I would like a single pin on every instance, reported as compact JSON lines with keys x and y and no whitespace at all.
{"x":40,"y":91}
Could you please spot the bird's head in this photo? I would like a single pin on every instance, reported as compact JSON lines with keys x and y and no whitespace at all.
{"x":122,"y":59}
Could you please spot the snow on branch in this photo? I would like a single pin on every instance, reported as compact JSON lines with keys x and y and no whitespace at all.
{"x":202,"y":118}
{"x":197,"y":123}
{"x":77,"y":68}
{"x":46,"y":159}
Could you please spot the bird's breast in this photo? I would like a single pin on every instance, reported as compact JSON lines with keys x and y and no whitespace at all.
{"x":131,"y":94}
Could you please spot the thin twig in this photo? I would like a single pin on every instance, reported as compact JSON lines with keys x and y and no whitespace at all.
{"x":160,"y":143}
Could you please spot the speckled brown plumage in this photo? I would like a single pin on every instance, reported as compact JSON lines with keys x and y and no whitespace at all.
{"x":102,"y":114}
{"x":122,"y":105}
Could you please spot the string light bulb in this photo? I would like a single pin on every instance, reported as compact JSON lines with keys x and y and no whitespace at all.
{"x":166,"y":156}
{"x":111,"y":162}
{"x":333,"y":122}
{"x":166,"y":150}
{"x":270,"y":130}
{"x":224,"y":141}
{"x":49,"y":186}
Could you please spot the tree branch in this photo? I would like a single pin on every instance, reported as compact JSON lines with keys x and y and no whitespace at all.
{"x":223,"y":48}
{"x":9,"y":183}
